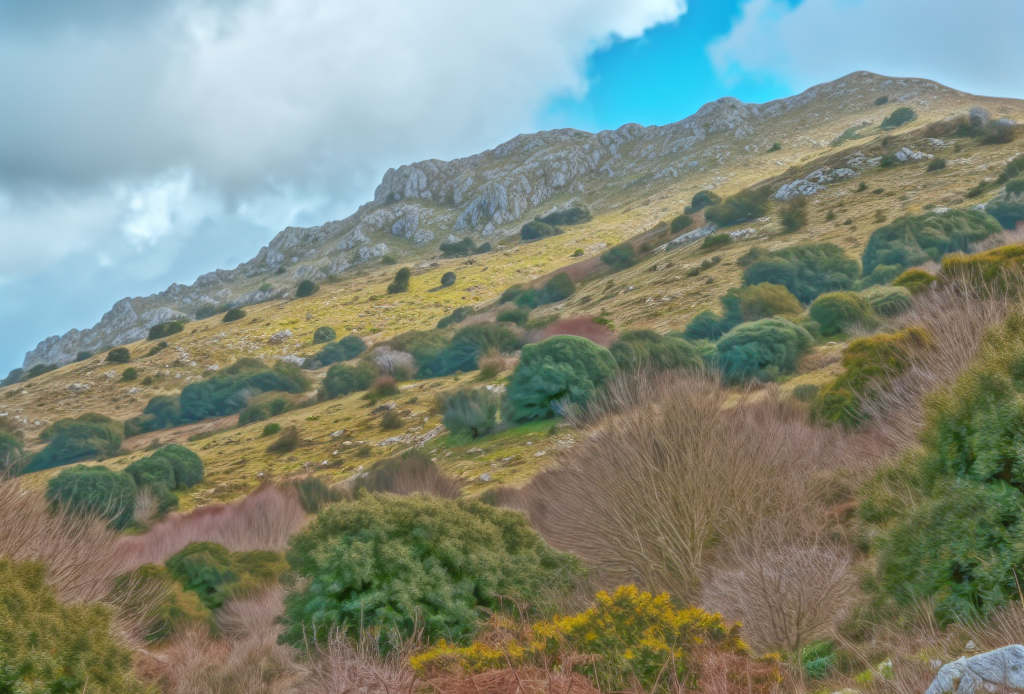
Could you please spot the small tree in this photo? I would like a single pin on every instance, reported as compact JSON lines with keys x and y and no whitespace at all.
{"x":401,"y":281}
{"x":162,"y":330}
{"x":343,"y":379}
{"x":619,"y":257}
{"x":702,"y":199}
{"x":679,"y":223}
{"x":563,"y":369}
{"x":448,"y":279}
{"x":306,"y":288}
{"x":471,"y":411}
{"x":119,"y":355}
{"x":129,"y":374}
{"x":324,"y":334}
{"x":794,"y":214}
{"x":233,"y":314}
{"x":763,"y":349}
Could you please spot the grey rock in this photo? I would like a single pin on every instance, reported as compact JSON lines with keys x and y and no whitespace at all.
{"x":279,"y":337}
{"x":993,"y":671}
{"x":691,"y":237}
{"x":906,"y":154}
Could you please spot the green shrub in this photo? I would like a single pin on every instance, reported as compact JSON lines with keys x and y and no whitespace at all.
{"x":39,"y":370}
{"x":425,"y":346}
{"x":619,"y":257}
{"x":793,"y":214}
{"x":818,"y":659}
{"x":401,"y":282}
{"x":1014,"y":168}
{"x":744,"y":206}
{"x":467,"y":346}
{"x":391,"y":420}
{"x":343,"y":379}
{"x":912,"y":240}
{"x":71,"y":440}
{"x":888,"y":160}
{"x":558,"y":288}
{"x":271,"y":429}
{"x":646,"y":349}
{"x":805,"y":392}
{"x":177,"y":611}
{"x":900,"y":116}
{"x":458,"y":249}
{"x":680,"y":223}
{"x":511,"y":294}
{"x":388,"y":259}
{"x":83,"y":355}
{"x":457,"y":316}
{"x":757,"y":301}
{"x":306,"y":288}
{"x":702,"y":199}
{"x":915,"y":280}
{"x":1009,"y":213}
{"x":573,"y":215}
{"x":167,"y":470}
{"x":119,"y":355}
{"x":715,"y":241}
{"x":93,"y":491}
{"x":263,"y":408}
{"x":835,"y":312}
{"x":471,"y":411}
{"x":47,"y":646}
{"x":807,"y":270}
{"x":162,"y":330}
{"x":869,"y":364}
{"x":233,"y":314}
{"x":560,"y":370}
{"x":286,"y":442}
{"x":538,"y":230}
{"x":888,"y":302}
{"x":230,"y":390}
{"x":1015,"y":186}
{"x":314,"y":494}
{"x":415,"y":562}
{"x":324,"y":334}
{"x":12,"y":448}
{"x":763,"y":349}
{"x":517,"y":314}
{"x":129,"y":374}
{"x":208,"y":310}
{"x":881,"y":100}
{"x":706,"y":325}
{"x":215,"y":574}
{"x":348,"y":347}
{"x":937,"y":164}
{"x":448,"y":279}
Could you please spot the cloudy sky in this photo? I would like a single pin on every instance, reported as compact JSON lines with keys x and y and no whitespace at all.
{"x":144,"y":142}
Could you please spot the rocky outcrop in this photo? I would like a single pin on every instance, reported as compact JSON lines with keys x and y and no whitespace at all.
{"x":1000,"y":670}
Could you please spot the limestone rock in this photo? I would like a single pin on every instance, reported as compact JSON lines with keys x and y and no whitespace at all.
{"x":998,"y":670}
{"x":279,"y":337}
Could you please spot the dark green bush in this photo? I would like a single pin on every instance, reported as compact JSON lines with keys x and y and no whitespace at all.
{"x":70,"y":440}
{"x":900,"y":116}
{"x":208,"y":310}
{"x":231,"y":389}
{"x":324,"y":334}
{"x":680,"y":223}
{"x":457,"y":316}
{"x":176,"y":611}
{"x":471,"y":411}
{"x":1009,"y":213}
{"x":13,"y":377}
{"x":517,"y":314}
{"x":793,"y":214}
{"x":448,"y":279}
{"x":937,"y":164}
{"x":888,"y":161}
{"x":467,"y":346}
{"x":162,"y":330}
{"x":573,"y":215}
{"x":39,"y":370}
{"x":1014,"y":168}
{"x":807,"y":270}
{"x":86,"y":490}
{"x":408,"y":563}
{"x":835,"y":312}
{"x":263,"y":408}
{"x":425,"y":346}
{"x":706,"y":325}
{"x":763,"y":349}
{"x":715,"y":241}
{"x":744,"y":206}
{"x":511,"y":294}
{"x":1015,"y":186}
{"x":348,"y":347}
{"x":343,"y":379}
{"x":912,"y":240}
{"x":83,"y":355}
{"x":314,"y":494}
{"x":645,"y":349}
{"x":48,"y":647}
{"x":458,"y":249}
{"x":401,"y":281}
{"x":881,"y":100}
{"x":119,"y":355}
{"x":558,"y":371}
{"x":558,"y":288}
{"x":271,"y":429}
{"x":619,"y":257}
{"x":12,"y":448}
{"x":167,"y":470}
{"x":215,"y":574}
{"x":306,"y":288}
{"x":286,"y":442}
{"x":129,"y":374}
{"x":538,"y":230}
{"x":233,"y":314}
{"x":702,"y":199}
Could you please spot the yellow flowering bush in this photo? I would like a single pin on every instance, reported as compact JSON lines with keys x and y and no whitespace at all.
{"x":627,"y":637}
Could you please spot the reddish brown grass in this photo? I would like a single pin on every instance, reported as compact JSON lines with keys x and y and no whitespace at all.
{"x":580,"y":326}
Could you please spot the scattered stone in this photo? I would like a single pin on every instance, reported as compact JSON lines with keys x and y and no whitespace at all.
{"x":79,"y":387}
{"x":486,"y":477}
{"x":906,"y":154}
{"x":279,"y":337}
{"x":993,"y":671}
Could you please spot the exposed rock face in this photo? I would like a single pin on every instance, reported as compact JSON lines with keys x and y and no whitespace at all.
{"x":813,"y":184}
{"x":996,"y":671}
{"x":492,"y":193}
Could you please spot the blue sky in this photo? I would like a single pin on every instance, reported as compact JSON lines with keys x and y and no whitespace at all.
{"x":147,"y":143}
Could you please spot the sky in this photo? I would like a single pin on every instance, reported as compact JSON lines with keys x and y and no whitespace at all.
{"x":145,"y":142}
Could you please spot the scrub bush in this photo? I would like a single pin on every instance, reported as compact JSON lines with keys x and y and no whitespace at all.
{"x":534,"y":230}
{"x":306,"y":288}
{"x":706,"y":325}
{"x":348,"y":347}
{"x":119,"y":355}
{"x":448,"y":279}
{"x":401,"y":282}
{"x":888,"y":302}
{"x":680,"y":223}
{"x":936,"y":164}
{"x":324,"y":334}
{"x":215,"y":574}
{"x":233,"y":314}
{"x":71,"y":440}
{"x":560,"y":370}
{"x":715,"y":241}
{"x":129,"y":374}
{"x":459,"y":249}
{"x":415,"y":562}
{"x":763,"y":349}
{"x":1009,"y":213}
{"x":468,"y":345}
{"x":230,"y":390}
{"x":915,"y":280}
{"x":558,"y":288}
{"x":758,"y":301}
{"x":83,"y":355}
{"x":343,"y":379}
{"x":646,"y":349}
{"x":807,"y":270}
{"x":167,"y":470}
{"x":286,"y":442}
{"x":916,"y":239}
{"x":573,"y":215}
{"x":162,"y":330}
{"x":619,"y":257}
{"x":793,"y":214}
{"x":471,"y":411}
{"x":900,"y":116}
{"x":518,"y":315}
{"x":86,"y":490}
{"x":744,"y":206}
{"x":263,"y":408}
{"x":835,"y":312}
{"x":702,"y":199}
{"x":457,"y":316}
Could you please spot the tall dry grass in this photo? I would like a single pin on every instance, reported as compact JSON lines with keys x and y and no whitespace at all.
{"x":690,"y":488}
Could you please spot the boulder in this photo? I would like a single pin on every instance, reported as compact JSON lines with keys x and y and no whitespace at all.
{"x":998,"y":670}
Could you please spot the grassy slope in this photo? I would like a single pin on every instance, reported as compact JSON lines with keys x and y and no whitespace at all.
{"x":656,"y":293}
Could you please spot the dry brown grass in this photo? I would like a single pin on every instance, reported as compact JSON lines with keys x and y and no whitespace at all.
{"x":514,"y":681}
{"x":580,"y":326}
{"x":342,"y":667}
{"x":684,"y":485}
{"x":410,"y":474}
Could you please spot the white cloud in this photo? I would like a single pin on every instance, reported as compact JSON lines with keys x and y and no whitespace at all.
{"x":973,"y":47}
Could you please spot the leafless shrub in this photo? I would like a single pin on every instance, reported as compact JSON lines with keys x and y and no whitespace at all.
{"x":409,"y":474}
{"x":401,"y":365}
{"x":343,"y":667}
{"x":493,"y":364}
{"x":514,"y":681}
{"x":681,"y":471}
{"x":1004,"y":238}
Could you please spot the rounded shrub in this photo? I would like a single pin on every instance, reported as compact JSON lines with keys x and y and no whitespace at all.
{"x":468,"y":345}
{"x":457,"y":316}
{"x":232,"y":388}
{"x":162,"y":330}
{"x":915,"y":280}
{"x":837,"y":311}
{"x":83,"y":355}
{"x":130,"y":374}
{"x":324,"y":334}
{"x":793,"y":214}
{"x":408,"y":563}
{"x":900,"y":116}
{"x":119,"y":355}
{"x":706,"y":325}
{"x":680,"y":223}
{"x":93,"y":491}
{"x":702,"y":199}
{"x":517,"y":314}
{"x":560,"y":370}
{"x":343,"y":379}
{"x":271,"y":429}
{"x":286,"y":442}
{"x":471,"y":411}
{"x":215,"y":574}
{"x":763,"y":349}
{"x":1009,"y":213}
{"x":71,"y":440}
{"x":619,"y":257}
{"x":646,"y":349}
{"x":758,"y":301}
{"x":1015,"y":186}
{"x":936,"y":164}
{"x":306,"y":288}
{"x":47,"y":646}
{"x":888,"y":302}
{"x":744,"y":206}
{"x":401,"y":282}
{"x":348,"y":347}
{"x":536,"y":229}
{"x":807,"y":270}
{"x":264,"y":407}
{"x":915,"y":239}
{"x":448,"y":279}
{"x":233,"y":314}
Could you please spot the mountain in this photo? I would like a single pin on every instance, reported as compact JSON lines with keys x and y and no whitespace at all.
{"x":490,"y":195}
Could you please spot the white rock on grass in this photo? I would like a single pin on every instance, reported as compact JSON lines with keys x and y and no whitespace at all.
{"x":998,"y":670}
